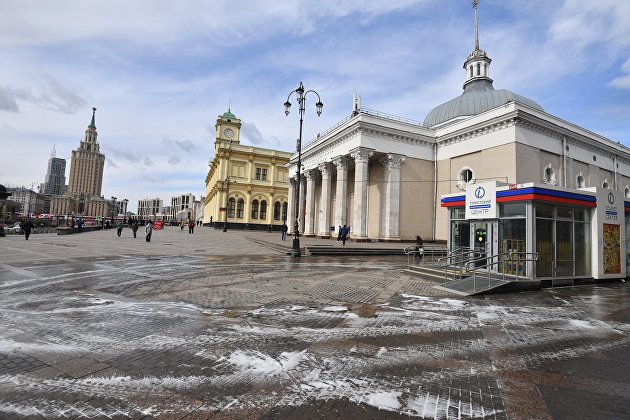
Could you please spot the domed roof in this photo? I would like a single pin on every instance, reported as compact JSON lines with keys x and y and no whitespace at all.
{"x":479,"y":96}
{"x":228,"y":115}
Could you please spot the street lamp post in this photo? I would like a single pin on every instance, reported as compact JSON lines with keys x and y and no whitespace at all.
{"x":300,"y":95}
{"x":125,"y":209}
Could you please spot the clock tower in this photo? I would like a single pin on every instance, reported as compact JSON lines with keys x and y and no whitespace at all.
{"x":227,"y":128}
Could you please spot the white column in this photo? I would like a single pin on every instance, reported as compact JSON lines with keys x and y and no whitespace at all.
{"x":361,"y":156}
{"x":342,"y":190}
{"x":302,"y":201}
{"x":390,"y":228}
{"x":309,"y":217}
{"x":291,"y":205}
{"x":324,"y":201}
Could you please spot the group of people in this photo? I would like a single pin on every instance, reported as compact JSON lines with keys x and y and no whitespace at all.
{"x":342,"y":234}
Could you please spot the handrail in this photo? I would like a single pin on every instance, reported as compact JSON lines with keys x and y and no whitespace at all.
{"x":426,"y":251}
{"x":472,"y":267}
{"x":456,"y":260}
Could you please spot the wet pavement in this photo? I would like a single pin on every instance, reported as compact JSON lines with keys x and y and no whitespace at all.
{"x":218,"y":325}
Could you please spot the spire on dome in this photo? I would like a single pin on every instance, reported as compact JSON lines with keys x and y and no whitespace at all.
{"x":475,"y":3}
{"x":53,"y":153}
{"x":92,"y":124}
{"x":477,"y":65}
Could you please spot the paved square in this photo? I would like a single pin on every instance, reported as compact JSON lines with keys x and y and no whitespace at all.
{"x":225,"y":325}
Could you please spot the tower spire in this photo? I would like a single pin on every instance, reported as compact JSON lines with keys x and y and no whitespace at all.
{"x":475,"y":3}
{"x":53,"y":153}
{"x":92,"y":123}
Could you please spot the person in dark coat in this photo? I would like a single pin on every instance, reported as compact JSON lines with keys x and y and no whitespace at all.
{"x":26,"y":226}
{"x":119,"y":228}
{"x":419,"y":249}
{"x":339,"y":234}
{"x":284,"y":230}
{"x":134,"y":227}
{"x":191,"y":227}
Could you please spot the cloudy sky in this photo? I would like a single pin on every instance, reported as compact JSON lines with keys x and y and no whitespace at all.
{"x":161,"y":71}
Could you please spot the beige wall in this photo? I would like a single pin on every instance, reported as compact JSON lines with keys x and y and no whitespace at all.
{"x":416,"y":204}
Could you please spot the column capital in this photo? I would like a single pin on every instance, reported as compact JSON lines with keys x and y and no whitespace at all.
{"x":392,"y":160}
{"x":361,"y":154}
{"x":312,"y":174}
{"x":341,"y":162}
{"x":325,"y":168}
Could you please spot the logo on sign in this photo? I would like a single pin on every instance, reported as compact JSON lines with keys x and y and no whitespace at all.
{"x":611,"y":198}
{"x":480,"y":192}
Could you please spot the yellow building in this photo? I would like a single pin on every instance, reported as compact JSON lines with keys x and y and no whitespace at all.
{"x":246,"y":186}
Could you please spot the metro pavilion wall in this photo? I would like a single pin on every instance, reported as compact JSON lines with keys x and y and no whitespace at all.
{"x":607,"y":209}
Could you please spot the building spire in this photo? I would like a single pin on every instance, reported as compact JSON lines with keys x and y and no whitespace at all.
{"x":53,"y":153}
{"x":92,"y":124}
{"x":475,"y":3}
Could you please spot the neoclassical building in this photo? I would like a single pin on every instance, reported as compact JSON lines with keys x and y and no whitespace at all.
{"x":384,"y":176}
{"x":246,"y":186}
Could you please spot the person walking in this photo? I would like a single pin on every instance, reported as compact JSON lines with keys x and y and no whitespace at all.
{"x":26,"y":225}
{"x":191,"y":227}
{"x":339,"y":234}
{"x":134,"y":227}
{"x":284,"y":230}
{"x":148,"y":229}
{"x":119,"y":228}
{"x":344,"y":234}
{"x":269,"y":229}
{"x":419,"y":249}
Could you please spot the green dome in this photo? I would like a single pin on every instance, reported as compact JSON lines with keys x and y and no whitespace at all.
{"x":228,"y":115}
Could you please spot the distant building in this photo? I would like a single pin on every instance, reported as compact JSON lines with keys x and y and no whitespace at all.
{"x":149,"y":207}
{"x":86,"y":166}
{"x":245,"y":185}
{"x":83,"y":197}
{"x":55,"y":182}
{"x":30,"y":201}
{"x":182,"y":207}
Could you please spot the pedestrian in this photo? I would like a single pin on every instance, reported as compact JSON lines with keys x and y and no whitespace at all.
{"x":80,"y":225}
{"x":134,"y":227}
{"x":191,"y":227}
{"x":119,"y":228}
{"x":344,"y":234}
{"x":181,"y":225}
{"x":339,"y":234}
{"x":419,"y":251}
{"x":269,"y":229}
{"x":211,"y":221}
{"x":284,"y":230}
{"x":148,"y":229}
{"x":26,"y":225}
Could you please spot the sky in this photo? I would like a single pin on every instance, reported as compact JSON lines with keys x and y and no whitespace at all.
{"x":159,"y":73}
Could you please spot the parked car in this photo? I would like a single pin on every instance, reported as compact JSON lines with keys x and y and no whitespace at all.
{"x":13,"y":229}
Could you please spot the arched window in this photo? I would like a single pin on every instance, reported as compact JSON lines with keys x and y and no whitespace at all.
{"x":285,"y":207}
{"x":240,"y":206}
{"x":579,"y":181}
{"x":465,"y":177}
{"x":478,"y":69}
{"x":276,"y":210}
{"x":549,"y":177}
{"x":230,"y":207}
{"x":263,"y":210}
{"x":255,"y":209}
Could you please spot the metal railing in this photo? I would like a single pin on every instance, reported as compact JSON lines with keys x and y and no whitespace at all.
{"x":485,"y":264}
{"x":428,"y":254}
{"x":456,"y":260}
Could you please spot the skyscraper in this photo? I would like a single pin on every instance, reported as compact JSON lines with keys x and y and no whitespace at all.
{"x":55,"y":183}
{"x":86,"y":166}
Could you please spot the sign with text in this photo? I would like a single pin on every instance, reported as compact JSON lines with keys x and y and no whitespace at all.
{"x":481,"y":201}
